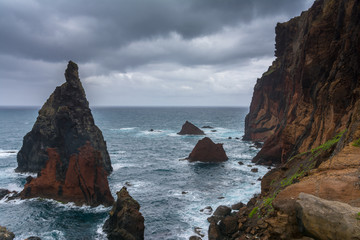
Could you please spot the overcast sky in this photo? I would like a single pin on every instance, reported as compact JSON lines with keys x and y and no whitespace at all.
{"x":140,"y":52}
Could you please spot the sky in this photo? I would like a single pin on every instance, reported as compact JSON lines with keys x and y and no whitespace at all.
{"x":140,"y":52}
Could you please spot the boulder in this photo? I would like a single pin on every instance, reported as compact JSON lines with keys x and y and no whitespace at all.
{"x":220,"y":213}
{"x":64,"y":122}
{"x":3,"y":193}
{"x":207,"y":151}
{"x":190,"y":129}
{"x":125,"y":221}
{"x":66,"y":149}
{"x":325,"y":219}
{"x":5,"y":234}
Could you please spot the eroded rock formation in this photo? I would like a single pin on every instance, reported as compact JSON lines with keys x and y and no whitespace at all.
{"x":190,"y":129}
{"x":66,"y":149}
{"x":208,"y":151}
{"x":65,"y":122}
{"x":309,"y":93}
{"x":125,"y":220}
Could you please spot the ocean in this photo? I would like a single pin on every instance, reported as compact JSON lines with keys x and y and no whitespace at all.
{"x":171,"y":191}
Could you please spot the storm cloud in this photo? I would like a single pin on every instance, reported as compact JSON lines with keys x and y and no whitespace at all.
{"x":140,"y":52}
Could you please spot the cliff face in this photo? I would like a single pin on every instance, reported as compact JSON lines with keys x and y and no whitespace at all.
{"x":65,"y":122}
{"x":306,"y":108}
{"x":310,"y":92}
{"x":66,"y":149}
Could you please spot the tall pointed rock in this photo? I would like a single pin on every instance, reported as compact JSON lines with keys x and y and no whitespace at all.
{"x":66,"y":149}
{"x":65,"y":122}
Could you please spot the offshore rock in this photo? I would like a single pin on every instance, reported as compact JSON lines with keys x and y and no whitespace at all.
{"x":327,"y":219}
{"x":207,"y":151}
{"x":125,"y":221}
{"x":65,"y":122}
{"x":309,"y":93}
{"x":190,"y":129}
{"x":5,"y":234}
{"x":66,"y":149}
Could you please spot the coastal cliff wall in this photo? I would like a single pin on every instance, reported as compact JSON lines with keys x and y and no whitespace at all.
{"x":310,"y":92}
{"x":306,"y":109}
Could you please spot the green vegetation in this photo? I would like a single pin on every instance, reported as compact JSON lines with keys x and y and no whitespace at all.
{"x":356,"y":143}
{"x":358,"y":216}
{"x":254,"y":211}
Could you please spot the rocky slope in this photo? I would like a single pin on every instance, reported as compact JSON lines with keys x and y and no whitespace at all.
{"x":65,"y":122}
{"x":306,"y":109}
{"x":66,"y":149}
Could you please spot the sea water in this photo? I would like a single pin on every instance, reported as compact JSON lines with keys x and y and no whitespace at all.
{"x":171,"y":191}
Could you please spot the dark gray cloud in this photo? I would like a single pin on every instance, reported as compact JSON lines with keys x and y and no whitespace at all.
{"x":127,"y":36}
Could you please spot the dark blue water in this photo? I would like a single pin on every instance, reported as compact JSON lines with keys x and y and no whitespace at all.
{"x":149,"y":162}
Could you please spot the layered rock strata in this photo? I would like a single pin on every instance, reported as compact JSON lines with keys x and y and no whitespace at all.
{"x":190,"y":129}
{"x":208,"y":151}
{"x":310,"y":91}
{"x":125,"y":221}
{"x":66,"y":149}
{"x":65,"y":122}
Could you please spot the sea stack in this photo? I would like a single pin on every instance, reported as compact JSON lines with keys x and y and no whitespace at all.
{"x":66,"y":149}
{"x":190,"y":129}
{"x":208,"y":151}
{"x":125,"y":220}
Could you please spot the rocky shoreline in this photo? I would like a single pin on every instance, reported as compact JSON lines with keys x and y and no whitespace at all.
{"x":306,"y":110}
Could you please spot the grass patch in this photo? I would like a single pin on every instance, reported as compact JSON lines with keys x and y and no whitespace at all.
{"x":356,"y":143}
{"x":358,"y":216}
{"x":254,"y":211}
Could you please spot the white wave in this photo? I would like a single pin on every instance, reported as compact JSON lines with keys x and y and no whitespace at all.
{"x":14,"y":187}
{"x":7,"y":153}
{"x":123,"y":129}
{"x":117,"y":166}
{"x":99,"y":232}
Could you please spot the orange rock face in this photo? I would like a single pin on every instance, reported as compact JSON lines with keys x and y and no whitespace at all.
{"x":85,"y":179}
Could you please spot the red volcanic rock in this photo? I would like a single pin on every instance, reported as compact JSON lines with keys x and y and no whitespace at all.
{"x":190,"y":129}
{"x":207,"y":151}
{"x":125,"y":221}
{"x":85,"y":179}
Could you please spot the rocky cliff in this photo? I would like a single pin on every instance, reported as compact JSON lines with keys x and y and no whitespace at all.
{"x":310,"y":92}
{"x":66,"y":149}
{"x":306,"y":109}
{"x":65,"y":122}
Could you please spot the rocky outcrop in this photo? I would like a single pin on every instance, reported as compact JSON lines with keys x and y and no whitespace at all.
{"x":309,"y":93}
{"x":208,"y":151}
{"x":68,"y":148}
{"x":190,"y":129}
{"x":329,"y":220}
{"x":65,"y":122}
{"x":5,"y":234}
{"x":125,"y":220}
